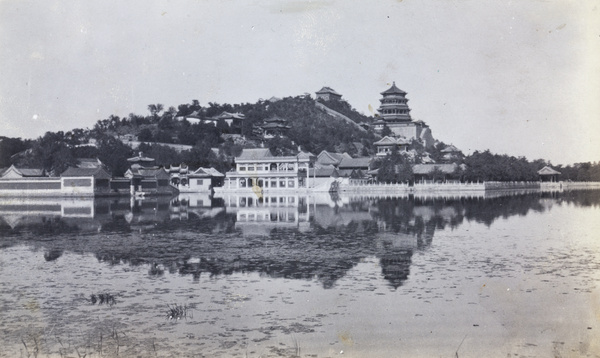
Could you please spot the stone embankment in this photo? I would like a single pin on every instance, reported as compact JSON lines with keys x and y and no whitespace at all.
{"x":457,"y":187}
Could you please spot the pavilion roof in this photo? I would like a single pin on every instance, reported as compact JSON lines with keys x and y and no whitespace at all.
{"x":274,"y":125}
{"x":390,"y":141}
{"x":208,"y":172}
{"x":255,"y":153}
{"x":328,"y":90}
{"x":23,"y":172}
{"x":450,"y":149}
{"x":325,"y":171}
{"x":140,"y":158}
{"x":89,"y":163}
{"x":305,"y":155}
{"x":362,"y":162}
{"x":547,"y":171}
{"x":97,"y":172}
{"x":393,"y":90}
{"x":276,"y":119}
{"x":227,"y":115}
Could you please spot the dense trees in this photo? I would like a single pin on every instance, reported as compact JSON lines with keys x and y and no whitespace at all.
{"x":394,"y":168}
{"x":485,"y":166}
{"x":580,"y":172}
{"x":49,"y":152}
{"x":9,"y":147}
{"x":346,"y":109}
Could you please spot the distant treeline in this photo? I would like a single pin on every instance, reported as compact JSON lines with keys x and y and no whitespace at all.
{"x":485,"y":166}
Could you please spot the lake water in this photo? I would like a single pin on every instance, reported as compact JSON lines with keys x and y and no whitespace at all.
{"x":302,"y":276}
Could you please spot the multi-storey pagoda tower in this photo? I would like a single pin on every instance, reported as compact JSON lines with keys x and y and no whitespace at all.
{"x":394,"y":105}
{"x":394,"y":113}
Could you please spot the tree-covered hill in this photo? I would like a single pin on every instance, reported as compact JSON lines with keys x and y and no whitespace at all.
{"x":215,"y":144}
{"x":312,"y":129}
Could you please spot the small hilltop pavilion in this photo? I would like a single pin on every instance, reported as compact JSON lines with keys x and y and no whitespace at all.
{"x":547,"y":174}
{"x":328,"y":94}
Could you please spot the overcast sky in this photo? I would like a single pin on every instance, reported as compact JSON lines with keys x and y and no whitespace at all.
{"x":516,"y":77}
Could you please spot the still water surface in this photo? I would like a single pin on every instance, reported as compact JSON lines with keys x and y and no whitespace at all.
{"x":298,"y":276}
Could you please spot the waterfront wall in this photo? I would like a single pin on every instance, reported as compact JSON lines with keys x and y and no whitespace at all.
{"x":64,"y":186}
{"x":79,"y":187}
{"x":508,"y":185}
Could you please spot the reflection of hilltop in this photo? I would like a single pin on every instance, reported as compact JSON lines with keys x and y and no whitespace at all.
{"x":288,"y":236}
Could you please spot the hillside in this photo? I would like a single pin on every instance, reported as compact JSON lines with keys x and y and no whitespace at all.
{"x":311,"y":129}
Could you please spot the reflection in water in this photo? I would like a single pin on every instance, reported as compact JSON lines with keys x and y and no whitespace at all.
{"x":290,"y":236}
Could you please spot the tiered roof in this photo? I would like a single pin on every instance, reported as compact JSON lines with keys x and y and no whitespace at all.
{"x":393,"y":90}
{"x":394,"y":107}
{"x":329,"y":90}
{"x":207,"y":172}
{"x":391,"y":141}
{"x":14,"y":172}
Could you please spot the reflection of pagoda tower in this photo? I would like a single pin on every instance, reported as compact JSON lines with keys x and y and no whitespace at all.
{"x":395,"y":266}
{"x":394,"y":107}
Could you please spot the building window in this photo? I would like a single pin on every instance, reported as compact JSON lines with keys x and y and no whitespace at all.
{"x":242,"y":183}
{"x":200,"y":182}
{"x":242,"y":169}
{"x":291,"y":183}
{"x":282,"y":183}
{"x":273,"y":183}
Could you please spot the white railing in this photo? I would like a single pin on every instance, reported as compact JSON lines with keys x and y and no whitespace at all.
{"x":374,"y":187}
{"x":421,"y":186}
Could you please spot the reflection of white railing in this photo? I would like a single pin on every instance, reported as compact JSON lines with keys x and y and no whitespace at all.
{"x":48,"y":206}
{"x":568,"y":185}
{"x":404,"y":187}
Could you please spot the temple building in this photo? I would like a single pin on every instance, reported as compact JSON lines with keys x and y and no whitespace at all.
{"x":146,"y":178}
{"x":548,"y":174}
{"x":275,"y":126}
{"x":387,"y":144}
{"x":258,"y":168}
{"x":395,"y":114}
{"x":328,"y":94}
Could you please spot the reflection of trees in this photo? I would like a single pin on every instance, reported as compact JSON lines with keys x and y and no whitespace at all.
{"x":577,"y":197}
{"x":338,"y":239}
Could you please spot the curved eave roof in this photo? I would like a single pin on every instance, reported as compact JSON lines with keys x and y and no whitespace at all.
{"x":328,"y":90}
{"x":393,"y":90}
{"x":548,"y":171}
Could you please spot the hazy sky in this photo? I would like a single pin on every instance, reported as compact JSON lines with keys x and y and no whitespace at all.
{"x":517,"y":77}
